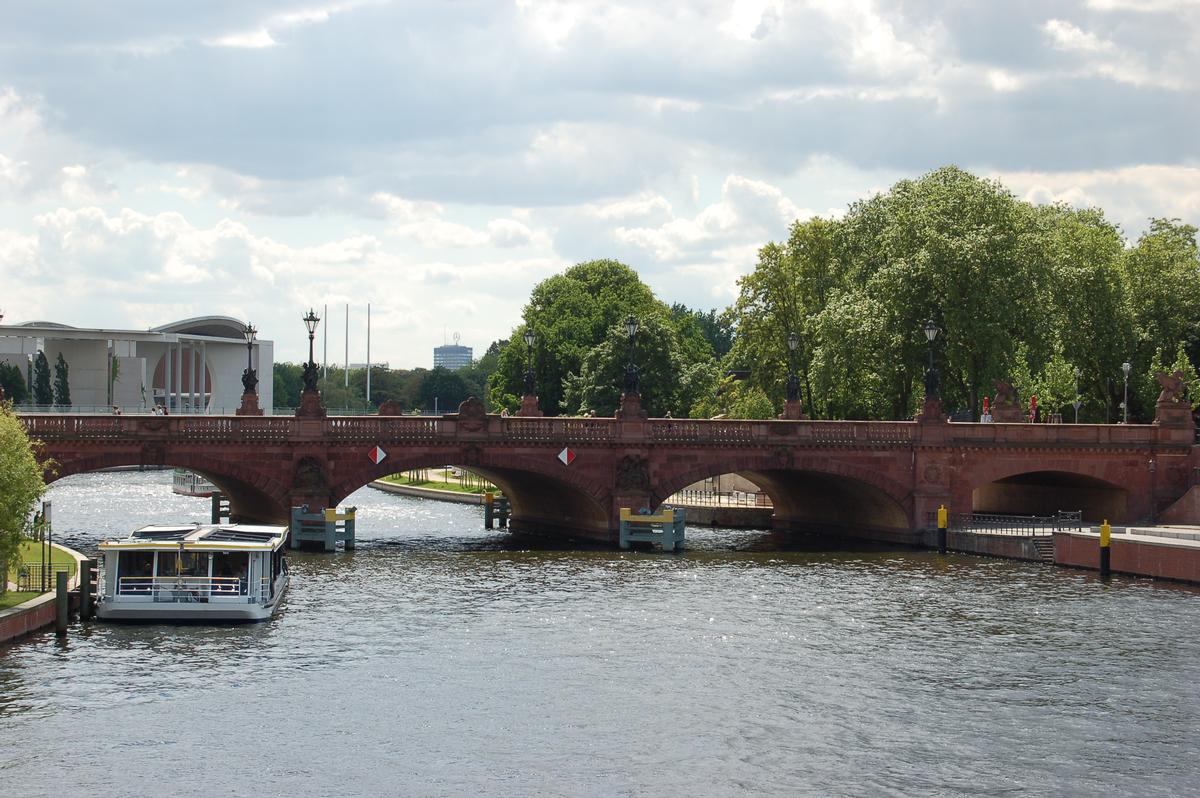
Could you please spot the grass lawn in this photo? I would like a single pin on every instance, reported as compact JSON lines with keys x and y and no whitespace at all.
{"x":13,"y":598}
{"x":437,"y":484}
{"x":31,"y":552}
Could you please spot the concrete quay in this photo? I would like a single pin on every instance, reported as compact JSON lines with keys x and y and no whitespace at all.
{"x":1161,"y":552}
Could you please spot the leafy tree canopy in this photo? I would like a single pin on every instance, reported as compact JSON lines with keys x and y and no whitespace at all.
{"x":20,"y":486}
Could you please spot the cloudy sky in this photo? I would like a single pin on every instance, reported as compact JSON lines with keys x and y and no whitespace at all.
{"x":161,"y":160}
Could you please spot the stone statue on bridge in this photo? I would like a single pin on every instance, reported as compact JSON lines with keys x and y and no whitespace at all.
{"x":310,"y":376}
{"x":1174,"y":387}
{"x":1006,"y":406}
{"x":249,"y":381}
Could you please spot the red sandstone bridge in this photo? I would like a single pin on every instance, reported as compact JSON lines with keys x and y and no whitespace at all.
{"x":878,"y":479}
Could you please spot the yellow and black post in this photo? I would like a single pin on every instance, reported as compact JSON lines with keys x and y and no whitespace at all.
{"x":488,"y":509}
{"x":943,"y":521}
{"x":1105,"y":548}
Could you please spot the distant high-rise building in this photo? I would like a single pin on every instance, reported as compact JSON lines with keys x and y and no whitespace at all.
{"x":452,"y":356}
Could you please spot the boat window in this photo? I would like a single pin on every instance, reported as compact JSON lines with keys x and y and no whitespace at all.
{"x":136,"y":563}
{"x":229,"y":566}
{"x":183,"y":563}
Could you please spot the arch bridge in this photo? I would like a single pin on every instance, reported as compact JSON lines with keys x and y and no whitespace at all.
{"x":866,"y":478}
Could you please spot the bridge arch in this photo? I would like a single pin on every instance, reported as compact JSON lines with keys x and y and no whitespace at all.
{"x":253,"y":495}
{"x":542,"y":498}
{"x":811,"y":493}
{"x":1021,"y":490}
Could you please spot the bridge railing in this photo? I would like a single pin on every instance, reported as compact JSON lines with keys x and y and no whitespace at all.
{"x":519,"y":428}
{"x":1005,"y":524}
{"x":383,"y":428}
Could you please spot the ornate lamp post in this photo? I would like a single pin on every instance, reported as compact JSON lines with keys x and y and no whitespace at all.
{"x":1078,"y":402}
{"x":249,"y":377}
{"x":931,"y":376}
{"x":932,"y":410}
{"x":631,"y":397}
{"x":1126,"y":367}
{"x":792,"y":408}
{"x":310,"y":397}
{"x":529,"y":402}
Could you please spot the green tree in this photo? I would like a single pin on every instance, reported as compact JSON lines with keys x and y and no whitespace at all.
{"x":42,"y":395}
{"x":20,"y":487}
{"x":791,"y":284}
{"x":287,"y":382}
{"x":14,"y":384}
{"x":569,"y":314}
{"x":62,"y":382}
{"x":965,"y":252}
{"x":1094,"y":329}
{"x":443,"y":390}
{"x":601,"y":377}
{"x":1162,"y":288}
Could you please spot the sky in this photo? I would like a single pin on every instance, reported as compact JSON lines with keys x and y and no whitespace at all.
{"x":165,"y":160}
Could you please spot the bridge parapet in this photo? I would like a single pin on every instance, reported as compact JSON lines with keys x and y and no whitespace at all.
{"x":580,"y":430}
{"x":375,"y":429}
{"x":1060,"y":434}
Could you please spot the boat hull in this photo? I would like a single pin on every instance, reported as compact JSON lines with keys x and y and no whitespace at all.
{"x":149,"y":611}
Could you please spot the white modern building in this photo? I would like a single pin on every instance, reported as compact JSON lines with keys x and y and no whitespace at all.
{"x":190,"y":366}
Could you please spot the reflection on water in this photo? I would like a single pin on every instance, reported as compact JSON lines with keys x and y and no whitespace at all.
{"x":443,"y":659}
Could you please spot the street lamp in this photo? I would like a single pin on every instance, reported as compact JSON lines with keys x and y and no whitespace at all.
{"x":1078,"y":401}
{"x":931,"y":375}
{"x":632,"y":381}
{"x":249,"y":378}
{"x":1125,"y":367}
{"x":529,"y":378}
{"x":310,"y":368}
{"x":793,"y":382}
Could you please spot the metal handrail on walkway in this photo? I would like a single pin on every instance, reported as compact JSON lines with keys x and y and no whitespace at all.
{"x":708,"y":498}
{"x":1005,"y":524}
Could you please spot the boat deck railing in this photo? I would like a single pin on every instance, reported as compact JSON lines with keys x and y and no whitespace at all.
{"x":185,"y":589}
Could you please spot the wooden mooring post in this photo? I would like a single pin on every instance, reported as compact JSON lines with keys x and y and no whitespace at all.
{"x":495,"y":510}
{"x":220,"y":507}
{"x":665,"y":529}
{"x":326,"y":527}
{"x":62,"y":602}
{"x":87,"y":572}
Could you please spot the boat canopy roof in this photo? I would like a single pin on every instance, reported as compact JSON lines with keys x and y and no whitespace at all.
{"x":201,"y":537}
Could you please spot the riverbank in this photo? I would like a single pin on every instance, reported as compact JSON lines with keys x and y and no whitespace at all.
{"x":454,"y":496}
{"x":37,"y":612}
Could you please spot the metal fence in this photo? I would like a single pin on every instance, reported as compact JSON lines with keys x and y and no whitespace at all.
{"x":709,"y":498}
{"x":36,"y":577}
{"x":1004,"y":524}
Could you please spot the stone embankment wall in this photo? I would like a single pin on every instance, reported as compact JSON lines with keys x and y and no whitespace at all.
{"x":37,"y":612}
{"x":1136,"y":554}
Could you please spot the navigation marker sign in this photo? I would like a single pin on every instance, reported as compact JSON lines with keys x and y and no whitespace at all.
{"x":376,"y":455}
{"x":566,"y":456}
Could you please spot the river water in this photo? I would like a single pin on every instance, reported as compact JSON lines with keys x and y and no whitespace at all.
{"x":441,"y":659}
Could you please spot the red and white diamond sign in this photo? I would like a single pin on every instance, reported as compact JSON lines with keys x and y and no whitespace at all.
{"x":376,"y":455}
{"x":566,"y":456}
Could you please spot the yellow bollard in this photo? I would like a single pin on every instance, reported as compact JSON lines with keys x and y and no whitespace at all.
{"x":1105,"y":548}
{"x":943,"y":519}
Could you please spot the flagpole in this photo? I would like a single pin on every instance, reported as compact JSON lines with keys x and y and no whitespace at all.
{"x":325,"y":357}
{"x":347,"y":371}
{"x":368,"y":353}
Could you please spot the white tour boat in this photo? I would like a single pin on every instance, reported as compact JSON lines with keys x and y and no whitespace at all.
{"x":193,"y":572}
{"x":189,"y":483}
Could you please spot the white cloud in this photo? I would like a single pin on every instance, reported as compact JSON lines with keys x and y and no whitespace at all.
{"x":253,"y":40}
{"x":748,"y":209}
